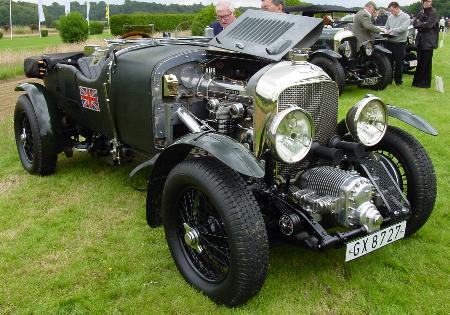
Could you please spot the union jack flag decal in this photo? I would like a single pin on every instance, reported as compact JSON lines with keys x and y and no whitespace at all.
{"x":89,"y":98}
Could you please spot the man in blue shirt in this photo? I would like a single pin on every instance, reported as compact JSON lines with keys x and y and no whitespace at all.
{"x":225,"y":16}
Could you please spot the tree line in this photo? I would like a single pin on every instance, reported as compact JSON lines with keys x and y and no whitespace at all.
{"x":25,"y":13}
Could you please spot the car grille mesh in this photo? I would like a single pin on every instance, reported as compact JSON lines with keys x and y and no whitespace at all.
{"x":320,"y":100}
{"x":260,"y":31}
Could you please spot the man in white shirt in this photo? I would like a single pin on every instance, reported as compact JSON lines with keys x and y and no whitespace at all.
{"x":397,"y":27}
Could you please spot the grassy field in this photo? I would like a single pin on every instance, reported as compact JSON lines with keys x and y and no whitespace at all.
{"x":14,"y":51}
{"x":77,"y":242}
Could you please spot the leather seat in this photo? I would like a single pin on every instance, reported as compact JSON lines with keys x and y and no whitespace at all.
{"x":89,"y":70}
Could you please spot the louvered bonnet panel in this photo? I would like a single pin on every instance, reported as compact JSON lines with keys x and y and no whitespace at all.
{"x":267,"y":34}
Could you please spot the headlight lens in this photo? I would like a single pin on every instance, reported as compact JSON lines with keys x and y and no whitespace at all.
{"x":346,"y":48}
{"x":367,"y":120}
{"x":290,"y":135}
{"x":368,"y":48}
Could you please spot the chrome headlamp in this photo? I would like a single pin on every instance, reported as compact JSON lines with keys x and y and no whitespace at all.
{"x":290,"y":135}
{"x":410,"y":39}
{"x":367,"y":47}
{"x":367,"y":121}
{"x":346,"y":49}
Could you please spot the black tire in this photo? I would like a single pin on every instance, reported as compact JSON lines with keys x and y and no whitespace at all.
{"x":412,"y":168}
{"x":29,"y":142}
{"x":333,"y":68}
{"x":376,"y":64}
{"x":409,"y":57}
{"x":232,"y":266}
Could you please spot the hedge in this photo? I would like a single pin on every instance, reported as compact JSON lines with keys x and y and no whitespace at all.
{"x":162,"y":22}
{"x":44,"y":33}
{"x":96,"y":28}
{"x":1,"y":34}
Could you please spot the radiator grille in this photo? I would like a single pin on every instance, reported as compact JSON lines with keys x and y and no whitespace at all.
{"x":320,"y":100}
{"x":260,"y":31}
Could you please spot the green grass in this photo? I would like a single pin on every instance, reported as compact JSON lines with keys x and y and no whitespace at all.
{"x":77,"y":242}
{"x":13,"y":51}
{"x":36,"y":42}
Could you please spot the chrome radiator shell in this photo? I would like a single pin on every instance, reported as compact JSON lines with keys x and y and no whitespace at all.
{"x":294,"y":83}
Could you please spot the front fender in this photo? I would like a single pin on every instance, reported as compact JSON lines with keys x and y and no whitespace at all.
{"x":225,"y":149}
{"x":48,"y":117}
{"x":327,"y":52}
{"x":402,"y":115}
{"x":383,"y":49}
{"x":411,"y":119}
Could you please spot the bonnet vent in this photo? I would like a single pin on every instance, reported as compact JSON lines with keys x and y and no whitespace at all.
{"x":269,"y":35}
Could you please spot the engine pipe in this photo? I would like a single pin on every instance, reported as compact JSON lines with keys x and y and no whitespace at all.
{"x":188,"y":119}
{"x":355,"y":148}
{"x":334,"y":155}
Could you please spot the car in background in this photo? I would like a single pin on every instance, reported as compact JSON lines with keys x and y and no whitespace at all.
{"x":366,"y":66}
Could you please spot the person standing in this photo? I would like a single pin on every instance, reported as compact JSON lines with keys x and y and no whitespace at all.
{"x":397,"y":26}
{"x":381,"y":18}
{"x":363,"y":27}
{"x":225,"y":16}
{"x":426,"y":23}
{"x":272,"y":5}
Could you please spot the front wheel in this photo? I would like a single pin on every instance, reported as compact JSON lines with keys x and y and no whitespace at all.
{"x":333,"y":68}
{"x":413,"y":170}
{"x":215,"y":230}
{"x":32,"y":153}
{"x":377,"y":72}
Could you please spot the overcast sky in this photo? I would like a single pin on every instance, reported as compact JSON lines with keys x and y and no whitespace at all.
{"x":256,"y":3}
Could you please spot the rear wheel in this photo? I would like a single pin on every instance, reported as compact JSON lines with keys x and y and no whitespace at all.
{"x":377,"y":72}
{"x":333,"y":68}
{"x":413,"y":170}
{"x":215,"y":230}
{"x":34,"y":157}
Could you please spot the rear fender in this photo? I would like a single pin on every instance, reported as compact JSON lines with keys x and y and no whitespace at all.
{"x":225,"y":149}
{"x":48,"y":117}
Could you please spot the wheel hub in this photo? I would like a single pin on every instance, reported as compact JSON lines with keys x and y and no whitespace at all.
{"x":192,"y":238}
{"x":23,"y":136}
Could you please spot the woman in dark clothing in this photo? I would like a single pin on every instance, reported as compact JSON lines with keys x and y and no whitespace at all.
{"x":426,"y":23}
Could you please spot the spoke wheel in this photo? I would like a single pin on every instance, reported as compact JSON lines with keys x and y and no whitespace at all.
{"x":215,"y":230}
{"x":377,"y":65}
{"x":26,"y":138}
{"x":203,"y":236}
{"x":411,"y":167}
{"x":35,"y":156}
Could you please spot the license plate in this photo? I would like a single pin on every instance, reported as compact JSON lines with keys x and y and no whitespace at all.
{"x":369,"y":81}
{"x":376,"y":240}
{"x":413,"y":63}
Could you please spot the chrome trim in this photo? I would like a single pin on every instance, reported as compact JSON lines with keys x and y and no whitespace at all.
{"x":354,"y":113}
{"x":273,"y":128}
{"x":272,"y":83}
{"x":188,"y":119}
{"x":341,"y":35}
